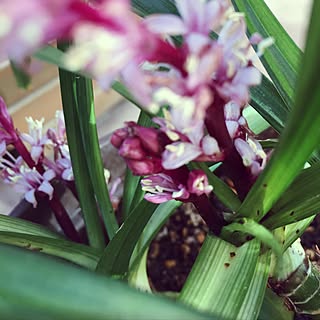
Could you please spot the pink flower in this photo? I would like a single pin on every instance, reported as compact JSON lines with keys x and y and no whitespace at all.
{"x":25,"y":180}
{"x":234,"y":120}
{"x":198,"y":18}
{"x":252,"y":154}
{"x":35,"y":138}
{"x":236,"y":73}
{"x":189,"y":141}
{"x":140,"y":147}
{"x":198,"y":183}
{"x":25,"y":28}
{"x":161,"y":188}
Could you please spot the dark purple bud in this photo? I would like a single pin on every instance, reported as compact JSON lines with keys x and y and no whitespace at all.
{"x":131,"y":148}
{"x":146,"y":167}
{"x":118,"y":137}
{"x":149,"y":138}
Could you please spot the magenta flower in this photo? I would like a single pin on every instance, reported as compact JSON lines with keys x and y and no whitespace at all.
{"x":252,"y":154}
{"x":198,"y":183}
{"x":161,"y":188}
{"x":25,"y":28}
{"x":27,"y":181}
{"x":140,"y":147}
{"x":188,"y":139}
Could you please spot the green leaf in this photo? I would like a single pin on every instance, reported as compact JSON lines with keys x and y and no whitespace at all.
{"x":299,"y":201}
{"x":294,"y":231}
{"x":251,"y":227}
{"x":79,"y":162}
{"x":274,"y":307}
{"x":116,"y":256}
{"x":138,"y":277}
{"x":77,"y":253}
{"x":158,"y":219}
{"x":23,"y":79}
{"x":221,"y":276}
{"x":90,"y":141}
{"x":282,"y":59}
{"x":11,"y":224}
{"x":42,"y":288}
{"x":251,"y":305}
{"x":300,"y":137}
{"x":267,"y":101}
{"x":144,"y":7}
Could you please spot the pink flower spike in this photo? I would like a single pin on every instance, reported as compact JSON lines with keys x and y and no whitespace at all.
{"x":161,"y":188}
{"x":198,"y":183}
{"x":25,"y":28}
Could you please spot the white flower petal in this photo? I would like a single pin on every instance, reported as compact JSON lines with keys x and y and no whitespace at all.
{"x":165,"y":24}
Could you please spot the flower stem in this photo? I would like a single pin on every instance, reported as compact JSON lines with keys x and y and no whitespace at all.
{"x":63,"y":219}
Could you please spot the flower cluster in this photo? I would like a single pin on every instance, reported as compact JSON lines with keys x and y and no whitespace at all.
{"x":200,"y":84}
{"x":32,"y":173}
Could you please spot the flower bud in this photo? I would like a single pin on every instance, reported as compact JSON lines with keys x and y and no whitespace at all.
{"x":118,"y":137}
{"x":131,"y":148}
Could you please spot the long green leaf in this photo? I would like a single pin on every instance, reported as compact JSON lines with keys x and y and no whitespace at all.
{"x":87,"y":119}
{"x":251,"y":305}
{"x":299,"y":201}
{"x":116,"y":257}
{"x":41,"y":288}
{"x":280,"y":60}
{"x":267,"y":101}
{"x":294,"y":231}
{"x":23,"y":79}
{"x":274,"y":307}
{"x":299,"y":139}
{"x":250,"y":227}
{"x":82,"y":255}
{"x":158,"y":219}
{"x":221,"y":276}
{"x":79,"y":164}
{"x":11,"y":224}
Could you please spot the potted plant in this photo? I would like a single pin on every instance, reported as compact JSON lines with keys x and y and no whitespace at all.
{"x":189,"y":66}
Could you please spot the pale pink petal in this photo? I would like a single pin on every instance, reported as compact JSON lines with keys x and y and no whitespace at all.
{"x":49,"y":175}
{"x":36,"y":152}
{"x":210,"y":145}
{"x":165,"y":24}
{"x":3,"y":148}
{"x":68,"y":175}
{"x":249,"y":76}
{"x":158,"y":198}
{"x":47,"y":188}
{"x":178,"y":154}
{"x":30,"y":197}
